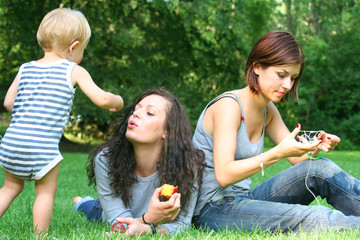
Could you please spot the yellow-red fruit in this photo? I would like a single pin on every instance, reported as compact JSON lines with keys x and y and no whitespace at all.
{"x":168,"y":190}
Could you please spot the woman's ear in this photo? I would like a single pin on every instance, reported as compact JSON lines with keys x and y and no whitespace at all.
{"x":164,"y":135}
{"x":73,"y":45}
{"x":256,"y":67}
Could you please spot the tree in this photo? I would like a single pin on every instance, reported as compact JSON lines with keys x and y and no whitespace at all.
{"x":198,"y":49}
{"x":328,"y":100}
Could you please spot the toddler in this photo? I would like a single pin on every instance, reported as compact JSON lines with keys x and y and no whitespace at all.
{"x":40,"y":99}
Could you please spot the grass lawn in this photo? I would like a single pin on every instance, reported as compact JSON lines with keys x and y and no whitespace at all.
{"x":17,"y":221}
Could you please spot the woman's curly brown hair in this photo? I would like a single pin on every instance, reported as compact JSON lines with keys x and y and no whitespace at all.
{"x":180,"y":164}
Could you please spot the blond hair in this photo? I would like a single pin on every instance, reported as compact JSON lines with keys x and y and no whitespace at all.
{"x":61,"y":27}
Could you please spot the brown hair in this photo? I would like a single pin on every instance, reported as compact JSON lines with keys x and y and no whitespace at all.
{"x":275,"y":48}
{"x":180,"y":164}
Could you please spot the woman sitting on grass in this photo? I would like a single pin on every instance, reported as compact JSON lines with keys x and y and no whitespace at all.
{"x":231,"y":132}
{"x":150,"y":146}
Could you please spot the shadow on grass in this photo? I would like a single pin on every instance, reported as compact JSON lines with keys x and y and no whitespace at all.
{"x":69,"y":146}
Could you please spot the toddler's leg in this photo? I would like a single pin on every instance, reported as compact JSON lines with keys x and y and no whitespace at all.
{"x":45,"y":193}
{"x":11,"y":189}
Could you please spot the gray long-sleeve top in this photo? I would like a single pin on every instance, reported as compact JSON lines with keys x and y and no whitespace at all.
{"x":142,"y":191}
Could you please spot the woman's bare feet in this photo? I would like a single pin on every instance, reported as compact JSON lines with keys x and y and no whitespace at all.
{"x":76,"y":200}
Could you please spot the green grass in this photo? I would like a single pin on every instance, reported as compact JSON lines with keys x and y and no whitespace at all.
{"x":17,"y":221}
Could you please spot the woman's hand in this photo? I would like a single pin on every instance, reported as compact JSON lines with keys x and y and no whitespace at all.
{"x":134,"y":227}
{"x":290,"y":147}
{"x":329,"y":142}
{"x":162,"y":211}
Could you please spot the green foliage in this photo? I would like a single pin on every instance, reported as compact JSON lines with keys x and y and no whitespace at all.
{"x":198,"y":49}
{"x":327,"y":97}
{"x":349,"y":130}
{"x":195,"y":49}
{"x":17,"y":37}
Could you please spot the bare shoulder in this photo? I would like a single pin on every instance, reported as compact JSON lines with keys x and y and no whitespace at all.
{"x":79,"y":74}
{"x":79,"y":70}
{"x":225,"y":104}
{"x":224,"y":113}
{"x":272,"y":112}
{"x":231,"y":94}
{"x":272,"y":109}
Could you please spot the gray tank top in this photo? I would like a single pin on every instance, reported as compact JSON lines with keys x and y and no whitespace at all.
{"x":211,"y":190}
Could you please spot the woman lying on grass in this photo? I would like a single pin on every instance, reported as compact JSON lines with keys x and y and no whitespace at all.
{"x":150,"y":146}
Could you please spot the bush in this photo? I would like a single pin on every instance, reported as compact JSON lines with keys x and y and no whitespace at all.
{"x":348,"y":130}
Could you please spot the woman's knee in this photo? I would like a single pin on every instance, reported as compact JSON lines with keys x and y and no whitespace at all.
{"x":324,"y":167}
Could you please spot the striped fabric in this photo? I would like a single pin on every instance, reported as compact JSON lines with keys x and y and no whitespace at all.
{"x":30,"y":146}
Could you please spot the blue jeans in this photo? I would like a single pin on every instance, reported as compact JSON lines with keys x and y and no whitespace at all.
{"x":90,"y":207}
{"x":280,"y":203}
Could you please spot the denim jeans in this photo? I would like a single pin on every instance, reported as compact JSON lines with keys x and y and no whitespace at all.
{"x":280,"y":203}
{"x":90,"y":207}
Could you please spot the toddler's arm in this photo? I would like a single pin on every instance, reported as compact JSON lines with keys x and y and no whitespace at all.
{"x":11,"y":95}
{"x":98,"y":96}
